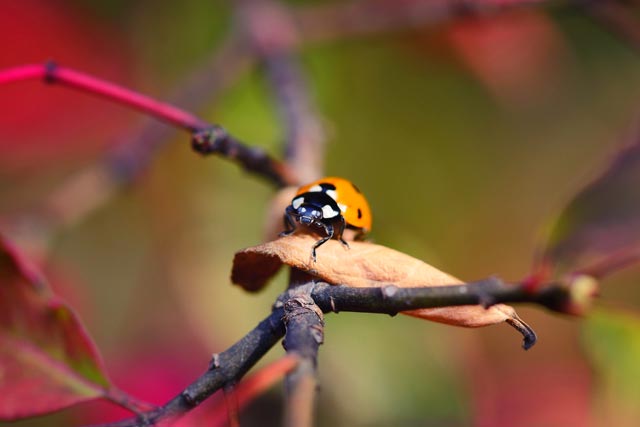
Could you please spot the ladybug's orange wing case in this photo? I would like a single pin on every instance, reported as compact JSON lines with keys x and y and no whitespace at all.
{"x":357,"y":213}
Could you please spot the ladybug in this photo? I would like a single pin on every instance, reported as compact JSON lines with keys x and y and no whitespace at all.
{"x":331,"y":204}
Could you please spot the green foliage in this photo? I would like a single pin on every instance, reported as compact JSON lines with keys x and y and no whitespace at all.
{"x":612,"y":341}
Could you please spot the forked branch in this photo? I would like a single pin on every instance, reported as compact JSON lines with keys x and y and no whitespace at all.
{"x":298,"y":313}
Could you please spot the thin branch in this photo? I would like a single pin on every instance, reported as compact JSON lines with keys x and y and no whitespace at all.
{"x":90,"y":188}
{"x":54,"y":74}
{"x":298,"y":314}
{"x":273,"y":36}
{"x":231,"y":404}
{"x":392,"y":299}
{"x":225,"y":368}
{"x":617,"y":18}
{"x":617,"y":260}
{"x":304,"y":324}
{"x":337,"y":20}
{"x":252,"y":386}
{"x":231,"y":60}
{"x":125,"y":400}
{"x":305,"y":136}
{"x":216,"y":140}
{"x":251,"y":159}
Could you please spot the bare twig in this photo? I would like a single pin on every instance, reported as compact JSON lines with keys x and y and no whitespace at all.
{"x":337,"y":20}
{"x":274,"y":38}
{"x":125,"y":400}
{"x":613,"y":262}
{"x":216,"y":140}
{"x":252,"y":386}
{"x":304,"y":324}
{"x":225,"y":368}
{"x":91,"y":187}
{"x":298,"y":313}
{"x":305,"y":136}
{"x":268,"y":29}
{"x":392,"y":300}
{"x":231,"y":60}
{"x":231,"y":403}
{"x":54,"y":74}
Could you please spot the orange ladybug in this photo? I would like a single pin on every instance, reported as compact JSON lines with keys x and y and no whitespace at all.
{"x":331,"y":204}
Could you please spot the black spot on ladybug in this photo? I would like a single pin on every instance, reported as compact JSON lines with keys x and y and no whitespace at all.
{"x":359,"y":212}
{"x":357,"y":190}
{"x":326,"y":186}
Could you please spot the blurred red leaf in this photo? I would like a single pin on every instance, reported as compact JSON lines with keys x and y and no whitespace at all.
{"x":42,"y":124}
{"x":599,"y":231}
{"x":533,"y":394}
{"x":47,"y":360}
{"x":516,"y":55}
{"x":155,"y":374}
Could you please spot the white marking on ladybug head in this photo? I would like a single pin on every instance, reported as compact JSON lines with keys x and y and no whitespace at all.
{"x":315,"y":189}
{"x":332,"y":194}
{"x":297,"y":202}
{"x":342,"y":207}
{"x":328,"y":212}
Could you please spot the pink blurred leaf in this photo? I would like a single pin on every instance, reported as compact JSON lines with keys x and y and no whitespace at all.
{"x":599,"y":231}
{"x":516,"y":55}
{"x":69,"y":126}
{"x":47,"y":360}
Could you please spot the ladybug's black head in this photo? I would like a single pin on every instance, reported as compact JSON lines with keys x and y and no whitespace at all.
{"x":314,"y":208}
{"x":309,"y":214}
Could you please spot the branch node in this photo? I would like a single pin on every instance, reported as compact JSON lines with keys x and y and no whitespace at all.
{"x":50,"y":68}
{"x":189,"y":398}
{"x":215,"y":361}
{"x":486,"y":300}
{"x":210,"y":140}
{"x":332,"y":302}
{"x":388,"y":291}
{"x":298,"y":305}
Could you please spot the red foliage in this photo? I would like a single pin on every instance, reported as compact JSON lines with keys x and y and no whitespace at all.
{"x":48,"y":361}
{"x":543,"y":394}
{"x":47,"y":123}
{"x":515,"y":55}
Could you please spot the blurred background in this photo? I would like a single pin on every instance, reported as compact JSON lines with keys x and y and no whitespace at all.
{"x":467,"y":135}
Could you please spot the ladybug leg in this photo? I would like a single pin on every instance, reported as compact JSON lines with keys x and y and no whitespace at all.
{"x":289,"y":223}
{"x":328,"y":228}
{"x":360,"y":235}
{"x":341,"y":226}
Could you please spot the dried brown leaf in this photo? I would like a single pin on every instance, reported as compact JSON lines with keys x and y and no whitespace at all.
{"x":363,"y":265}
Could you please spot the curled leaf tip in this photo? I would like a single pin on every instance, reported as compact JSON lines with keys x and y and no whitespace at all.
{"x":529,"y":337}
